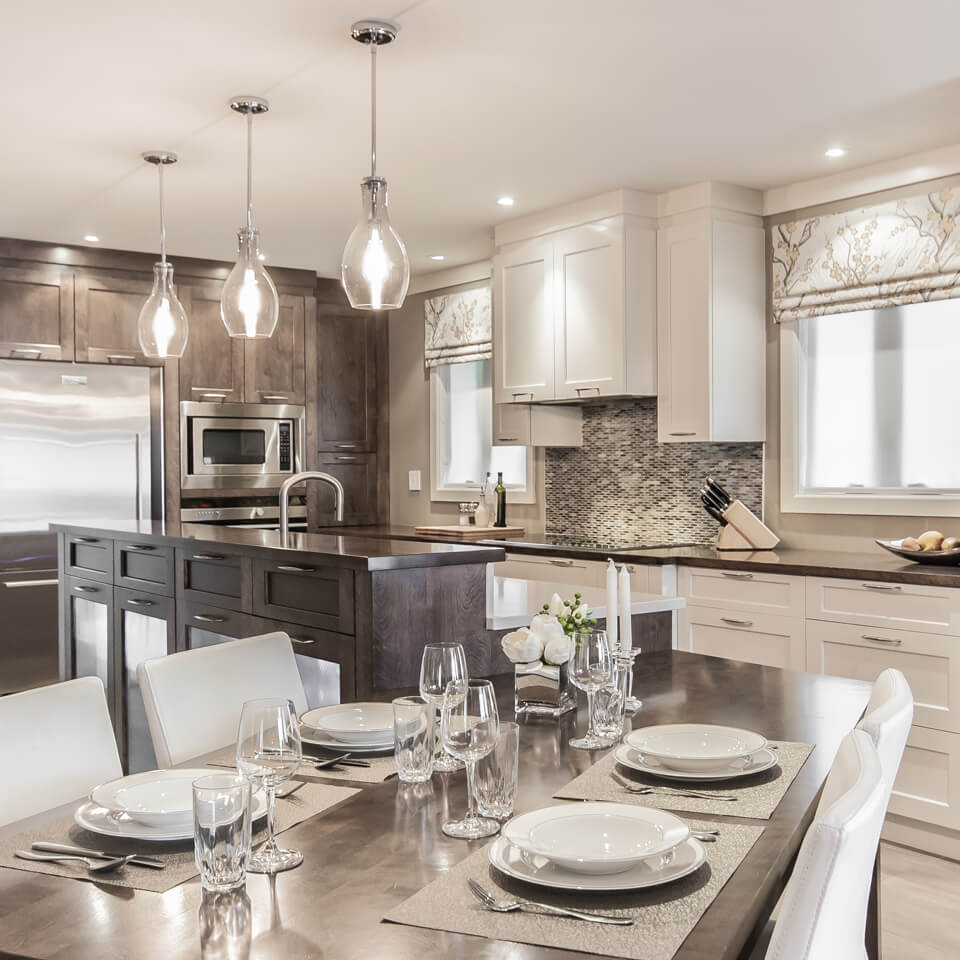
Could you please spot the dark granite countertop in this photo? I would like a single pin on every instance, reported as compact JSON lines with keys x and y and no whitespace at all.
{"x":878,"y":566}
{"x":343,"y":547}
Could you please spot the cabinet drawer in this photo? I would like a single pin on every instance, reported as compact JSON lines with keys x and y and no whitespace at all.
{"x":755,"y":638}
{"x":149,"y":604}
{"x":202,"y":624}
{"x":212,"y":577}
{"x":930,"y":663}
{"x":578,"y":573}
{"x":743,"y":590}
{"x":897,"y":605}
{"x":90,"y":557}
{"x":928,"y":784}
{"x":143,"y":566}
{"x":304,"y":593}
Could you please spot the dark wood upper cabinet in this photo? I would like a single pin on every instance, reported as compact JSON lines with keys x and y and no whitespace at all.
{"x":211,"y":368}
{"x":274,"y":368}
{"x":346,"y":379}
{"x":36,"y":313}
{"x":107,"y":311}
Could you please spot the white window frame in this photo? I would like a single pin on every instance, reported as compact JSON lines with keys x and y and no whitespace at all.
{"x":456,"y":494}
{"x":860,"y":504}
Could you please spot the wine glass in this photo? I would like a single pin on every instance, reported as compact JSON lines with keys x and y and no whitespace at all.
{"x":442,"y":663}
{"x":591,"y":667}
{"x":268,"y":752}
{"x":469,"y":729}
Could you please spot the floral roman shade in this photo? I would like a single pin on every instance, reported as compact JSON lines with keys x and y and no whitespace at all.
{"x":884,"y":255}
{"x":458,"y":327}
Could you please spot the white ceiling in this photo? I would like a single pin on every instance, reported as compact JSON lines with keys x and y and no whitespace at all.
{"x":547,"y":100}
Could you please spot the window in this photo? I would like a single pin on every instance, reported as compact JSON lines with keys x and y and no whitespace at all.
{"x":867,"y":400}
{"x":461,"y":432}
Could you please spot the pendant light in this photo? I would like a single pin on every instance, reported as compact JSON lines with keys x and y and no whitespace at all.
{"x":249,"y":304}
{"x":374,"y":269}
{"x":162,"y":325}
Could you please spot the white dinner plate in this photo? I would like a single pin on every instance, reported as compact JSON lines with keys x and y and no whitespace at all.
{"x":764,"y":759}
{"x":598,"y":838}
{"x":512,"y":861}
{"x":109,"y":823}
{"x":364,"y":724}
{"x":317,"y":739}
{"x":695,"y":746}
{"x":156,"y":798}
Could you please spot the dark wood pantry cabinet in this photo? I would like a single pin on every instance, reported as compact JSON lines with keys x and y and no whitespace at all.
{"x":36,"y":313}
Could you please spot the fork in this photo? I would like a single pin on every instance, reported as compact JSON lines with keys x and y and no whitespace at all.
{"x":639,"y":788}
{"x":93,"y":866}
{"x":532,"y":906}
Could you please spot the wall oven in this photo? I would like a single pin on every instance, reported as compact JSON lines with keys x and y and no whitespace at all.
{"x":239,"y":446}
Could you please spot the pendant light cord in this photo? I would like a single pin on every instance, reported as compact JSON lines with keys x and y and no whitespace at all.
{"x":250,"y":170}
{"x":163,"y":228}
{"x":373,"y":109}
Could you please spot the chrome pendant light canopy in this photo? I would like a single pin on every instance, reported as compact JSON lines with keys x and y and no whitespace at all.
{"x":162,"y":325}
{"x":374,"y":269}
{"x":249,"y":304}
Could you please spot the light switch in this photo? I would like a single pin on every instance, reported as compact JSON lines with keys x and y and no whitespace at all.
{"x":414,"y":479}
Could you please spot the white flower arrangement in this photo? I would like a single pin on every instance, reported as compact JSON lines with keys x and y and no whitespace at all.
{"x":550,"y":635}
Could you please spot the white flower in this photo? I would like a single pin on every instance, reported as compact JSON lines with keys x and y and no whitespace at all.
{"x":582,"y":612}
{"x":540,"y":619}
{"x":546,"y":629}
{"x":558,"y":649}
{"x":522,"y":646}
{"x":556,"y":606}
{"x":566,"y":611}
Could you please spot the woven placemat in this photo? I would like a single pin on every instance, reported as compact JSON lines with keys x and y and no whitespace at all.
{"x":757,"y":795}
{"x":380,"y":769}
{"x":662,"y":916}
{"x":310,"y":799}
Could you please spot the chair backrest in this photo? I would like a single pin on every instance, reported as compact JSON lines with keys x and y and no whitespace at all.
{"x":823,"y":912}
{"x":56,"y":743}
{"x":887,"y":720}
{"x":193,"y":699}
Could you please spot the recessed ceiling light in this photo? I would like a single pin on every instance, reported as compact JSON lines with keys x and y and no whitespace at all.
{"x":505,"y":201}
{"x":437,"y":256}
{"x":91,"y":238}
{"x":835,"y":152}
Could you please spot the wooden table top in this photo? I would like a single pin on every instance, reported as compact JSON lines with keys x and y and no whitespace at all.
{"x":383,"y":845}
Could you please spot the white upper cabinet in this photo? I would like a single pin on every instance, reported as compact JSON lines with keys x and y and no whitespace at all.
{"x":710,"y":312}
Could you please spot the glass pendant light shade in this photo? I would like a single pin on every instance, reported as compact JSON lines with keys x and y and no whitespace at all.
{"x":249,"y":304}
{"x":162,"y":327}
{"x":375,"y":269}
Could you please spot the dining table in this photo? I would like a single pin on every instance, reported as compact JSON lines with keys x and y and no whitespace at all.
{"x":368,"y":854}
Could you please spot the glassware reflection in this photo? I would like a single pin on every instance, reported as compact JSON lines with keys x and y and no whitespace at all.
{"x":225,"y":925}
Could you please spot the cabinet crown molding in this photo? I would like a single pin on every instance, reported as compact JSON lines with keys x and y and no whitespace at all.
{"x":710,"y":195}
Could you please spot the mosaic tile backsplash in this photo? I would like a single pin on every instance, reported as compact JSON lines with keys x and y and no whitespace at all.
{"x":623,"y":487}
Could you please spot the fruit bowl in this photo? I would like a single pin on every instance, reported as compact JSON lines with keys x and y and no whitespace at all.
{"x":943,"y":557}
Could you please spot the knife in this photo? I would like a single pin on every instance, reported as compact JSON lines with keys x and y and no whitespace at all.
{"x":719,"y":492}
{"x":96,"y":854}
{"x":708,"y":497}
{"x":715,"y":513}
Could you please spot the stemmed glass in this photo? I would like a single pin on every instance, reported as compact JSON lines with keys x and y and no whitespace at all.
{"x":268,"y":752}
{"x":442,"y":663}
{"x":591,"y":667}
{"x":469,"y":729}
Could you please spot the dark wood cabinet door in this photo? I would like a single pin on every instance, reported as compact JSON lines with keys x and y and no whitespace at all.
{"x":36,"y":313}
{"x":107,"y":311}
{"x":274,"y":368}
{"x":211,"y":367}
{"x":358,"y":474}
{"x":346,"y":380}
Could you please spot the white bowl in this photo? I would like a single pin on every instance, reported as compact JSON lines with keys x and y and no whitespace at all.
{"x":695,"y":747}
{"x":156,"y":798}
{"x":365,"y":724}
{"x":598,"y":838}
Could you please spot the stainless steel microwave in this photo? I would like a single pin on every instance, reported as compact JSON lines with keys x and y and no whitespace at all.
{"x":239,"y":445}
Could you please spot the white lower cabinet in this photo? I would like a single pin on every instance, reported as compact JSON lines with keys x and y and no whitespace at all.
{"x":927,"y":787}
{"x":762,"y":638}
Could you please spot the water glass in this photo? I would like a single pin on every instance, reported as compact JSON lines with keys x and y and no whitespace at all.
{"x":495,"y":776}
{"x":591,"y":668}
{"x":222,"y":818}
{"x":414,"y":737}
{"x":608,"y":705}
{"x":442,"y":663}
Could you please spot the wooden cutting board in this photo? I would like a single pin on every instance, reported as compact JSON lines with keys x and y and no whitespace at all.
{"x":457,"y":532}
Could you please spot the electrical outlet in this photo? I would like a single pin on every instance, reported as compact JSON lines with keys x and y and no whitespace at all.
{"x":413,"y":477}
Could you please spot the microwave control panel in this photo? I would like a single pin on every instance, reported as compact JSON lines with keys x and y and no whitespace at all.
{"x":286,"y":455}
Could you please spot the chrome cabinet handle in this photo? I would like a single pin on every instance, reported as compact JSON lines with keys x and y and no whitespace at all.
{"x":273,"y":396}
{"x":736,"y":623}
{"x":206,"y":618}
{"x":340,"y":456}
{"x":138,"y":546}
{"x":87,"y":589}
{"x":887,"y":640}
{"x":507,"y":439}
{"x":881,"y":586}
{"x":345,"y":446}
{"x":683,"y":433}
{"x":141,"y":603}
{"x":562,"y":563}
{"x":121,"y":356}
{"x":215,"y":396}
{"x":208,"y":556}
{"x":26,"y":350}
{"x":737,"y":576}
{"x":304,"y":641}
{"x":85,"y":540}
{"x":11,"y":584}
{"x":293,"y":568}
{"x":581,"y":390}
{"x":530,"y":395}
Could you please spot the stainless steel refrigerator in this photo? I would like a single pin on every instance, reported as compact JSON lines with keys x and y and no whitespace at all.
{"x":79,"y":443}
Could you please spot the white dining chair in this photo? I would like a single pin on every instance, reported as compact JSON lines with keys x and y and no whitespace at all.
{"x":887,"y":720}
{"x":823,"y":912}
{"x":56,"y":744}
{"x":193,"y":699}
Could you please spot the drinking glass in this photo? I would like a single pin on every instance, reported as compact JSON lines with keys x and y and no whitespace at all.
{"x":469,"y":728}
{"x":495,"y":777}
{"x":442,"y":663}
{"x":608,"y":710}
{"x":268,"y":752}
{"x":414,"y":737}
{"x":222,"y":815}
{"x":591,"y":667}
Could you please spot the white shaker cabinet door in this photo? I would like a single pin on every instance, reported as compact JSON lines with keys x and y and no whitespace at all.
{"x":523,"y":317}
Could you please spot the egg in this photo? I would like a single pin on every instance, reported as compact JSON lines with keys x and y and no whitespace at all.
{"x":930,"y":540}
{"x":910,"y":543}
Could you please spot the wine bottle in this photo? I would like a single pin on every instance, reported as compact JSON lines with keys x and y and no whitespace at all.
{"x":501,"y":491}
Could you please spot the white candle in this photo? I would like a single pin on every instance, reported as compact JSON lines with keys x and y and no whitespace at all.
{"x":612,"y":607}
{"x":626,"y":613}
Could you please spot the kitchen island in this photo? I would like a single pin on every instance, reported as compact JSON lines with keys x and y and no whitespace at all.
{"x":358,"y":610}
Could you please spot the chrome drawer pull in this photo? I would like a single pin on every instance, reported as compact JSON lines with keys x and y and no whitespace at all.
{"x":340,"y":456}
{"x":303,"y":640}
{"x":275,"y":396}
{"x":206,"y":618}
{"x":737,"y":576}
{"x":87,"y":589}
{"x":26,"y":350}
{"x":737,"y":623}
{"x":507,"y":439}
{"x":562,"y":563}
{"x":293,"y":568}
{"x":530,"y":395}
{"x":121,"y":356}
{"x":888,"y":640}
{"x":85,"y":540}
{"x":208,"y":556}
{"x":345,"y":446}
{"x":141,"y":603}
{"x":881,"y":586}
{"x":683,"y":433}
{"x":138,"y":546}
{"x":11,"y":584}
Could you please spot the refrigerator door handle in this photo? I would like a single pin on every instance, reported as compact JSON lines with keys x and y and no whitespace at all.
{"x":138,"y":513}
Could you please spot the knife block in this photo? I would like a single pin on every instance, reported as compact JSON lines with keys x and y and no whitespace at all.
{"x":744,"y":530}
